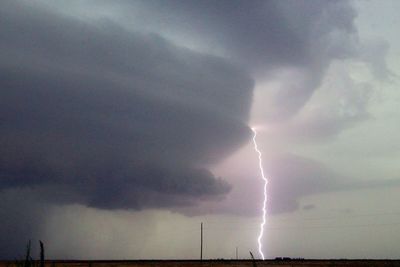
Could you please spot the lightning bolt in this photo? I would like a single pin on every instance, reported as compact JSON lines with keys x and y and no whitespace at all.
{"x":264,"y":208}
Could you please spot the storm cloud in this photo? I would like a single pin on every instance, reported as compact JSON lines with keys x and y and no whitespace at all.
{"x":128,"y":109}
{"x":124,"y":119}
{"x":119,"y":119}
{"x":124,"y":112}
{"x":296,"y":39}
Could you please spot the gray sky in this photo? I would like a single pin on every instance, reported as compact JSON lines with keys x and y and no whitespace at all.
{"x":124,"y":124}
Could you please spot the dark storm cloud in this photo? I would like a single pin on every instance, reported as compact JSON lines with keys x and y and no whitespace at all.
{"x":267,"y":37}
{"x":119,"y":119}
{"x":258,"y":33}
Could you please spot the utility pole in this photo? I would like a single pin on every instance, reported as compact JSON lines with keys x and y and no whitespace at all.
{"x":236,"y":252}
{"x":201,"y":241}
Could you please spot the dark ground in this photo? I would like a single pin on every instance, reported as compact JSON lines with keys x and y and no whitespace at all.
{"x":216,"y":263}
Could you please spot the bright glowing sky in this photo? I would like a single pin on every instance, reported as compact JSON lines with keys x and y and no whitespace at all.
{"x":119,"y":117}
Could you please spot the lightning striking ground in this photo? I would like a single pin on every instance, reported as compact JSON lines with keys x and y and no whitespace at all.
{"x":264,"y":208}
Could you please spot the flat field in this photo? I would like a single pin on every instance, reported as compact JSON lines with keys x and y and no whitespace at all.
{"x":214,"y":263}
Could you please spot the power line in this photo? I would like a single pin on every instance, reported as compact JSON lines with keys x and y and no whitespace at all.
{"x":310,"y":227}
{"x":321,"y":218}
